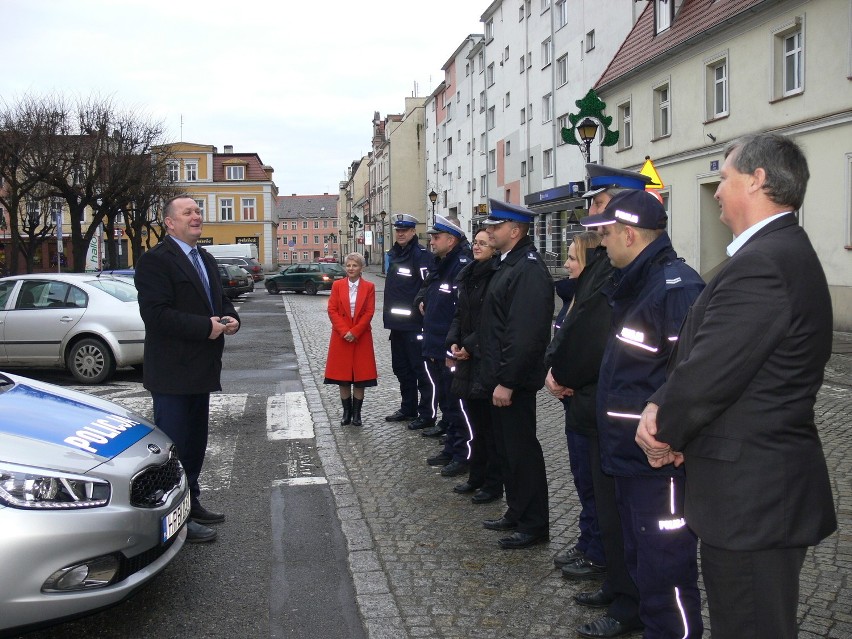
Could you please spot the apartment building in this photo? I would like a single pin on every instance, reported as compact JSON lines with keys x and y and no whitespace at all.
{"x":692,"y":76}
{"x":352,"y":205}
{"x":308,"y":229}
{"x":235,"y":192}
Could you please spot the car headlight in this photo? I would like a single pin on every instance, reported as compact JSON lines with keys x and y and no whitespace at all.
{"x":40,"y":489}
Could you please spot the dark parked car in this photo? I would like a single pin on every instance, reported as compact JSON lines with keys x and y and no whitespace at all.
{"x":308,"y":278}
{"x":235,"y":280}
{"x":248,"y":263}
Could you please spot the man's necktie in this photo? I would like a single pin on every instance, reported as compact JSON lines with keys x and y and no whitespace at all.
{"x":198,"y":267}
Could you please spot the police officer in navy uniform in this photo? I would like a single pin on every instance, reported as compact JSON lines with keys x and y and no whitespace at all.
{"x":408,"y":263}
{"x":437,"y":300}
{"x":515,"y":331}
{"x":649,"y":294}
{"x":575,"y":355}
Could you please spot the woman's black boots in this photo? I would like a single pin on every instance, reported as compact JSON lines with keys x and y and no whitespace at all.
{"x":347,"y":411}
{"x":356,"y":411}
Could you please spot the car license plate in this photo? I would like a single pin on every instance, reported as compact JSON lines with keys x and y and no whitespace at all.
{"x":173,"y":522}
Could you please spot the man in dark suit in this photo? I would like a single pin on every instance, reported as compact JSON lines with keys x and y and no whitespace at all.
{"x":737,"y":407}
{"x":186,"y":315}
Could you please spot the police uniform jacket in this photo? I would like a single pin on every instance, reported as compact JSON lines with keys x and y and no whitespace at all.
{"x":180,"y":359}
{"x":739,"y":401}
{"x":574,"y":356}
{"x":438,"y":296}
{"x":516,"y":316}
{"x":472,"y":284}
{"x":649,"y":300}
{"x":407,"y":268}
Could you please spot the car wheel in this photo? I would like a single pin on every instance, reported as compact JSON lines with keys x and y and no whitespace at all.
{"x":272,"y":287}
{"x":90,"y":361}
{"x":310,"y":287}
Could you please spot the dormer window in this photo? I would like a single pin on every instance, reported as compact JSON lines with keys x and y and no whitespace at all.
{"x":664,"y":10}
{"x":235,"y":172}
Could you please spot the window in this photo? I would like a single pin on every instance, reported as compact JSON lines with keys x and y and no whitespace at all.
{"x":523,"y":116}
{"x":664,"y":10}
{"x":625,"y":126}
{"x":304,"y":239}
{"x":304,"y":256}
{"x":492,"y":161}
{"x":468,"y":109}
{"x":717,"y":89}
{"x":458,"y":96}
{"x":489,"y":120}
{"x":226,"y":209}
{"x":489,"y":30}
{"x":506,"y":53}
{"x":546,"y":52}
{"x":293,"y":227}
{"x":561,"y":123}
{"x":561,"y":13}
{"x":481,"y":102}
{"x":191,"y":169}
{"x":547,"y":162}
{"x":235,"y":172}
{"x":316,"y":224}
{"x":248,"y":206}
{"x":523,"y":64}
{"x":508,"y":99}
{"x":562,"y":71}
{"x":788,"y":59}
{"x":523,"y":169}
{"x":304,"y":224}
{"x":521,"y":13}
{"x":467,"y":69}
{"x":468,"y":186}
{"x":449,"y":109}
{"x":481,"y":58}
{"x":201,"y":204}
{"x":316,"y":239}
{"x":662,"y":111}
{"x":171,"y":168}
{"x":508,"y":147}
{"x":590,"y":40}
{"x":458,"y":171}
{"x":482,"y":182}
{"x":531,"y":166}
{"x":545,"y":5}
{"x":489,"y":75}
{"x":468,"y":148}
{"x":529,"y":59}
{"x":458,"y":135}
{"x":449,"y":146}
{"x":547,"y":108}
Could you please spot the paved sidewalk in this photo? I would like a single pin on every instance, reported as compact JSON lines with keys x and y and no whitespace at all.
{"x":423,"y":566}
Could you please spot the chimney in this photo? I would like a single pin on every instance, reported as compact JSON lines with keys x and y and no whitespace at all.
{"x":229,"y":148}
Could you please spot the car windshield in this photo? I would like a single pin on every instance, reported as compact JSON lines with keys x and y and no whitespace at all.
{"x":334,"y":269}
{"x":118,"y":288}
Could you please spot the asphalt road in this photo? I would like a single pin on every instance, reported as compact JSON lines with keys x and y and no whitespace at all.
{"x":279,"y":567}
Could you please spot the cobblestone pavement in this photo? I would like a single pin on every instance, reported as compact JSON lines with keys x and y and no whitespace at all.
{"x":423,"y":566}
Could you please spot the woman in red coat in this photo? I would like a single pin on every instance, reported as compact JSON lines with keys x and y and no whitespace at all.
{"x":351,"y":362}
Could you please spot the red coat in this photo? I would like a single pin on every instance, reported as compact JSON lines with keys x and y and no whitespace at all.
{"x":351,"y":361}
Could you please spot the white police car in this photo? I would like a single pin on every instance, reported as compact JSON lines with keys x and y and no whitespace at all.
{"x":93,"y":502}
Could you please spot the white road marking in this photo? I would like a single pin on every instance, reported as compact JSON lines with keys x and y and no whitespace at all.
{"x":299,"y":481}
{"x":288,"y":417}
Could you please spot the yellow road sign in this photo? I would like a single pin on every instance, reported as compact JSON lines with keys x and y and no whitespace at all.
{"x":651,"y":171}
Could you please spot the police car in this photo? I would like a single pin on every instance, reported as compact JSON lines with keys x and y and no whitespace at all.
{"x":93,"y":502}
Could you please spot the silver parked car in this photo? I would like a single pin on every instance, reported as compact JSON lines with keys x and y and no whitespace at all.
{"x":87,"y":323}
{"x":93,"y":502}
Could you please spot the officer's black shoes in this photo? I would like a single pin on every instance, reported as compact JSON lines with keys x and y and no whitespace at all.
{"x":465,"y":488}
{"x":483,"y":497}
{"x":441,"y":459}
{"x":499,"y":524}
{"x":606,"y":627}
{"x":454,"y":469}
{"x":596,"y":599}
{"x":522,"y":540}
{"x":420,"y":423}
{"x":201,"y":515}
{"x":436,"y":431}
{"x":568,"y":556}
{"x":399,"y":416}
{"x":583,"y":569}
{"x":198,"y":534}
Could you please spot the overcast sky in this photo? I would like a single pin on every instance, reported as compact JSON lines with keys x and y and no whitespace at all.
{"x":295,"y":81}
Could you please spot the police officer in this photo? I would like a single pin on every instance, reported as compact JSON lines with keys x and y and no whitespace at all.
{"x":650,"y":293}
{"x":408,"y":263}
{"x":438,"y":304}
{"x":515,"y":331}
{"x":575,"y":355}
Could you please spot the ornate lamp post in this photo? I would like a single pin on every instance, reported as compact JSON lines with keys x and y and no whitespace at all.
{"x":382,"y":216}
{"x":354,"y":224}
{"x":588,"y":129}
{"x":433,"y":197}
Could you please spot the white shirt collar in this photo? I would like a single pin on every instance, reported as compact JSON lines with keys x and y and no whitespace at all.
{"x":746,"y":235}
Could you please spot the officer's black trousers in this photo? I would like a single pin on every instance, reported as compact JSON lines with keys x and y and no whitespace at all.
{"x":410,"y":370}
{"x":523,"y":470}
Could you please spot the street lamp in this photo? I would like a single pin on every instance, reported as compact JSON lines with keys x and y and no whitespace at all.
{"x":354,"y":224}
{"x":433,"y":197}
{"x":382,"y":216}
{"x":588,"y":129}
